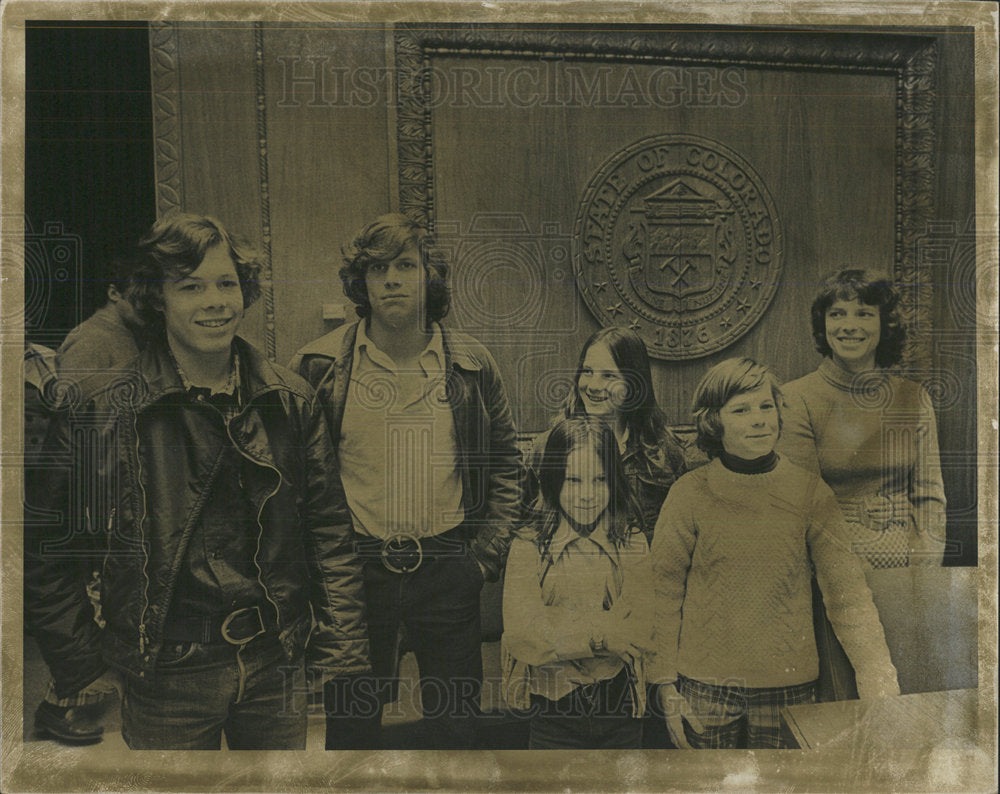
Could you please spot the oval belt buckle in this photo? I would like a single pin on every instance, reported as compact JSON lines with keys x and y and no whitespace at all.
{"x":233,"y":615}
{"x":402,"y":553}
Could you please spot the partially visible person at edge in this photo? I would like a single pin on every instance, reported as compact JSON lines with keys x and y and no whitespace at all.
{"x":872,"y":436}
{"x":207,"y":494}
{"x":111,"y":337}
{"x":576,"y":598}
{"x":613,"y":382}
{"x":427,"y":453}
{"x":733,"y":554}
{"x":840,"y":417}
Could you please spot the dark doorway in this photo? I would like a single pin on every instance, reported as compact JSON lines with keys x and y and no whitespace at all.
{"x":89,"y":183}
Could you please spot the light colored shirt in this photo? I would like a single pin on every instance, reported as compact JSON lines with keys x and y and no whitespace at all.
{"x":397,"y":451}
{"x":552,"y":609}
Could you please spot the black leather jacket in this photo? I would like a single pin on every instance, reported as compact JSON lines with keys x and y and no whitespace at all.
{"x":489,"y":458}
{"x":128,"y":503}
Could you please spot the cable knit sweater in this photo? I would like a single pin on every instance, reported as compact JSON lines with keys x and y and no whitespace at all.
{"x":873,"y":439}
{"x":731,"y":563}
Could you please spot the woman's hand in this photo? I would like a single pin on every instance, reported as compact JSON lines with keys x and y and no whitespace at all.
{"x":876,"y":512}
{"x":677,"y":709}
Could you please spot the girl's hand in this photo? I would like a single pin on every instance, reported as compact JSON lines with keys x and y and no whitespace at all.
{"x":618,"y":643}
{"x":677,"y":709}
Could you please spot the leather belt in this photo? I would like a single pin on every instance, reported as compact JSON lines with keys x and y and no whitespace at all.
{"x":236,"y":628}
{"x":403,"y":553}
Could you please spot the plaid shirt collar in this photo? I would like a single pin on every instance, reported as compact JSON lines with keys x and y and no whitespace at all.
{"x":230,"y":389}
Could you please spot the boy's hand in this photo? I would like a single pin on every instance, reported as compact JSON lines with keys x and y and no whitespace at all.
{"x":877,"y":687}
{"x":677,"y":709}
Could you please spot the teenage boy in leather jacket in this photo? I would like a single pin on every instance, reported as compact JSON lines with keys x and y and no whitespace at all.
{"x":203,"y":479}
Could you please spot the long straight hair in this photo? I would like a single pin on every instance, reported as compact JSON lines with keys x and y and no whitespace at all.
{"x":581,"y":432}
{"x":644,"y":419}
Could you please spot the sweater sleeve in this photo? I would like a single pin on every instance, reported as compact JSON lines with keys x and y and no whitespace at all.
{"x":798,"y":440}
{"x":926,"y":490}
{"x":634,"y":608}
{"x":847,"y":598}
{"x":670,"y":560}
{"x":535,"y":633}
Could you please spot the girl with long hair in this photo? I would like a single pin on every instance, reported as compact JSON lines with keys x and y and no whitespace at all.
{"x":613,"y":382}
{"x":575,"y":624}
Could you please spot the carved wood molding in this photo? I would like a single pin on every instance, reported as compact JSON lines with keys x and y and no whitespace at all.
{"x":264,"y":191}
{"x":164,"y":71}
{"x":910,"y":60}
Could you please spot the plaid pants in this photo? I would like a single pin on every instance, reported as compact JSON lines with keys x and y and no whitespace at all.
{"x":737,"y":717}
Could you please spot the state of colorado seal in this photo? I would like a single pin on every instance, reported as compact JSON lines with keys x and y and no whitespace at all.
{"x":677,"y":238}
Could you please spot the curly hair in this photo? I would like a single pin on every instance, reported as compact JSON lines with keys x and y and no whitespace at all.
{"x":565,"y":436}
{"x":174,"y":247}
{"x":382,"y":240}
{"x":720,"y":384}
{"x":873,"y":289}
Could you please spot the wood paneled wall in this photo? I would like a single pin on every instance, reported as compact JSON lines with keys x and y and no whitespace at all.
{"x":325,"y":153}
{"x":308,"y":108}
{"x":821,"y":143}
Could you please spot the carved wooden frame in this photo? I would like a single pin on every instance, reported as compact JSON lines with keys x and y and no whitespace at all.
{"x":910,"y":59}
{"x":164,"y":63}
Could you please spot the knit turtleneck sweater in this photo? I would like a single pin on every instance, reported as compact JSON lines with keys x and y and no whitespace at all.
{"x":731,"y":557}
{"x":760,"y":465}
{"x":873,"y":439}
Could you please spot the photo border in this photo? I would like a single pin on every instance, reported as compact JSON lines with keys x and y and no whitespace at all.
{"x":28,"y":768}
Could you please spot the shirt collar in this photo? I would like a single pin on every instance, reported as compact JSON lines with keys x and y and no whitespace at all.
{"x":232,"y":383}
{"x":431,"y":358}
{"x":566,"y":535}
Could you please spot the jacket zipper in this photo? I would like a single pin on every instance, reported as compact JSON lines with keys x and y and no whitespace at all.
{"x":107,"y":544}
{"x":143,"y":635}
{"x":260,"y":526}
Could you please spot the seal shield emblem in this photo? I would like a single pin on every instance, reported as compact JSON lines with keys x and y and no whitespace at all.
{"x":686,"y":233}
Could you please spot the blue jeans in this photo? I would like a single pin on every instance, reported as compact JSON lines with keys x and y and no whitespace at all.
{"x":200,"y":690}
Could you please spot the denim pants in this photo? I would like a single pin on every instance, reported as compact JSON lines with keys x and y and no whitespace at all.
{"x":438,"y":606}
{"x":198,"y":691}
{"x":591,"y":717}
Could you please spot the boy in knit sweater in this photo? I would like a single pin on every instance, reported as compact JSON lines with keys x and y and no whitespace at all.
{"x":732,"y":555}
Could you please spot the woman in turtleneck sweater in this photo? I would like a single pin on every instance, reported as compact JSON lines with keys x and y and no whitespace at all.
{"x":872,"y":436}
{"x":732,"y":556}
